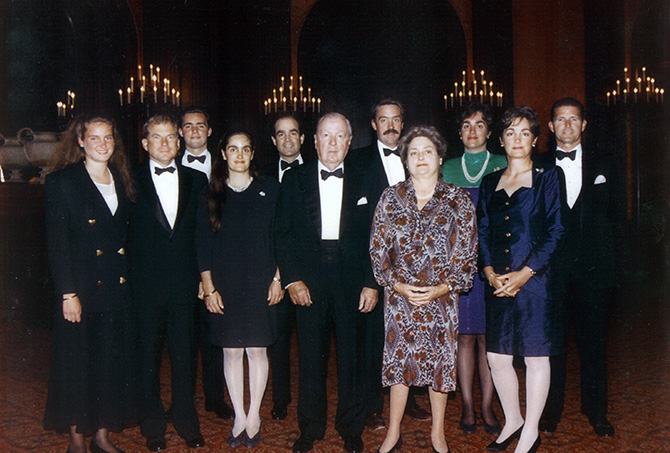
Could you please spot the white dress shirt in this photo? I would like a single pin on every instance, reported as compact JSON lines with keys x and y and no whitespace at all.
{"x":281,"y":172}
{"x":205,"y":167}
{"x":330,"y":194}
{"x":395,"y":171}
{"x":167,"y":189}
{"x":573,"y":174}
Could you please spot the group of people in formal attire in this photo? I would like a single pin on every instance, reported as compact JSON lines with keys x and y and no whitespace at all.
{"x":427,"y":271}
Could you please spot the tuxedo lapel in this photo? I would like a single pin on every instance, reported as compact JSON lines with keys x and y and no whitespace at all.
{"x":146,"y":186}
{"x":310,"y":187}
{"x":185,"y":185}
{"x":349,"y":192}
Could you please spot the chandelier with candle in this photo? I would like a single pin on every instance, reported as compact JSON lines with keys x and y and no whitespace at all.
{"x":473,"y":90}
{"x":150,"y":89}
{"x":295,"y":99}
{"x":66,"y":109}
{"x":644,"y":89}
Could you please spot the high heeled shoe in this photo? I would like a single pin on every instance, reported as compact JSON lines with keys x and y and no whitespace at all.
{"x":254,"y":441}
{"x":492,"y":429}
{"x":95,"y":448}
{"x":236,"y":441}
{"x":396,"y":447}
{"x":502,"y":446}
{"x":467,"y":429}
{"x":535,"y":445}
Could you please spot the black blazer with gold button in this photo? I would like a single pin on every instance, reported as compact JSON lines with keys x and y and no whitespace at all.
{"x":86,"y":243}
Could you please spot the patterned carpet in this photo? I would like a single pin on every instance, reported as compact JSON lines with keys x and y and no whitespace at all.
{"x":639,"y":397}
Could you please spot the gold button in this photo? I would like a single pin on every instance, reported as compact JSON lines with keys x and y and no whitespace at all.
{"x":99,"y":282}
{"x":98,"y":252}
{"x":121,"y":251}
{"x":508,"y":234}
{"x":506,"y":217}
{"x":91,"y":221}
{"x":507,"y":203}
{"x":122,"y":280}
{"x":506,"y":250}
{"x":507,"y":268}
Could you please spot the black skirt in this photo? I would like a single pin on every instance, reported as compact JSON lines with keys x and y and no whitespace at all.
{"x":90,"y":382}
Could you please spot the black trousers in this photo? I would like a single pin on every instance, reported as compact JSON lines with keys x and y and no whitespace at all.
{"x":280,"y":352}
{"x":588,"y":310}
{"x":330,"y":305}
{"x":176,"y":323}
{"x":211,"y":356}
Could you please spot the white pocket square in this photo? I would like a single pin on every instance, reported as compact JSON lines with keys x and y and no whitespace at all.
{"x":600,"y":179}
{"x":362,"y":201}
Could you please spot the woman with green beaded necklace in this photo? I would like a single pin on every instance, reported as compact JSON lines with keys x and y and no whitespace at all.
{"x":467,"y":171}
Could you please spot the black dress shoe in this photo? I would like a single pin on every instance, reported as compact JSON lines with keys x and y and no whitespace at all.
{"x":156,"y":444}
{"x":236,"y":441}
{"x":502,"y":446}
{"x":375,"y":421}
{"x":353,"y":444}
{"x":279,"y":411}
{"x":195,"y":441}
{"x":303,"y":444}
{"x":547,"y":425}
{"x":396,"y":447}
{"x":601,"y":426}
{"x":220,"y":408}
{"x":417,"y":413}
{"x":467,"y":429}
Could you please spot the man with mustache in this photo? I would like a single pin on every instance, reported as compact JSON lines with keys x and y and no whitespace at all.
{"x":381,"y":160}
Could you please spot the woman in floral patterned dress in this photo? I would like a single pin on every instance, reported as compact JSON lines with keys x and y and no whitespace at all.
{"x":423,"y":249}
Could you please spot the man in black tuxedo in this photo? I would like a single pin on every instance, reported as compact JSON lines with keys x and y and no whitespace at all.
{"x":161,"y":248}
{"x":586,"y":267}
{"x":288,"y":139}
{"x":323,"y":230}
{"x":381,"y":160}
{"x":194,"y":129}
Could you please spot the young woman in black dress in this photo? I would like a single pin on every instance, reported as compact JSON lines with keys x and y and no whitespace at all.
{"x":87,"y":205}
{"x":240,"y":277}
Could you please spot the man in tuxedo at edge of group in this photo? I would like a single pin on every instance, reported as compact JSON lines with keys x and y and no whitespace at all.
{"x":323,"y":229}
{"x":288,"y":140}
{"x":381,"y":160}
{"x":162,"y":258}
{"x":194,"y":129}
{"x":586,"y":267}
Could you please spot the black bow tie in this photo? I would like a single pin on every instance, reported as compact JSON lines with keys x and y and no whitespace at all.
{"x":160,"y":171}
{"x":285,"y":165}
{"x":560,"y":155}
{"x":327,"y":174}
{"x":190,"y":158}
{"x":388,"y":152}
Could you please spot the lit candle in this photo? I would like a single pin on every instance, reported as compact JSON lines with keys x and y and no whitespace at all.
{"x":173,"y":93}
{"x":165,"y":94}
{"x":474,"y":83}
{"x":284,"y":102}
{"x":139,"y":71}
{"x":628,"y":83}
{"x":635,"y":94}
{"x":482,"y":74}
{"x":178,"y":98}
{"x":132,"y":85}
{"x":469,"y":95}
{"x":481,"y":95}
{"x":501,"y":100}
{"x":318,"y":105}
{"x":639,"y":84}
{"x":460,"y":98}
{"x":618,"y":87}
{"x":300,"y":80}
{"x":158,"y":75}
{"x":608,"y":99}
{"x":282,"y":84}
{"x":151,"y":71}
{"x":72,"y":105}
{"x":451,"y":96}
{"x":155,"y":94}
{"x":265,"y":106}
{"x":309,"y":94}
{"x":69,"y":93}
{"x":128,"y":95}
{"x":275,"y":103}
{"x":644,"y":73}
{"x":304,"y":103}
{"x":463,"y":78}
{"x":662,"y":92}
{"x":142,"y":94}
{"x":153,"y":80}
{"x":455,"y":88}
{"x":656,"y":91}
{"x":653,"y":83}
{"x":313,"y":102}
{"x":121,"y":98}
{"x":290,"y":89}
{"x":144,"y":82}
{"x":647,"y":90}
{"x":445,"y":102}
{"x":295,"y":103}
{"x":614,"y":97}
{"x":625,"y":96}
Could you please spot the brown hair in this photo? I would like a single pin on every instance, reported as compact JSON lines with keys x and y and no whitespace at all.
{"x":430,"y":132}
{"x":70,"y":153}
{"x":518,"y":113}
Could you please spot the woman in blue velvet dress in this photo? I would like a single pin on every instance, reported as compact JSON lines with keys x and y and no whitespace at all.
{"x":520,"y":233}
